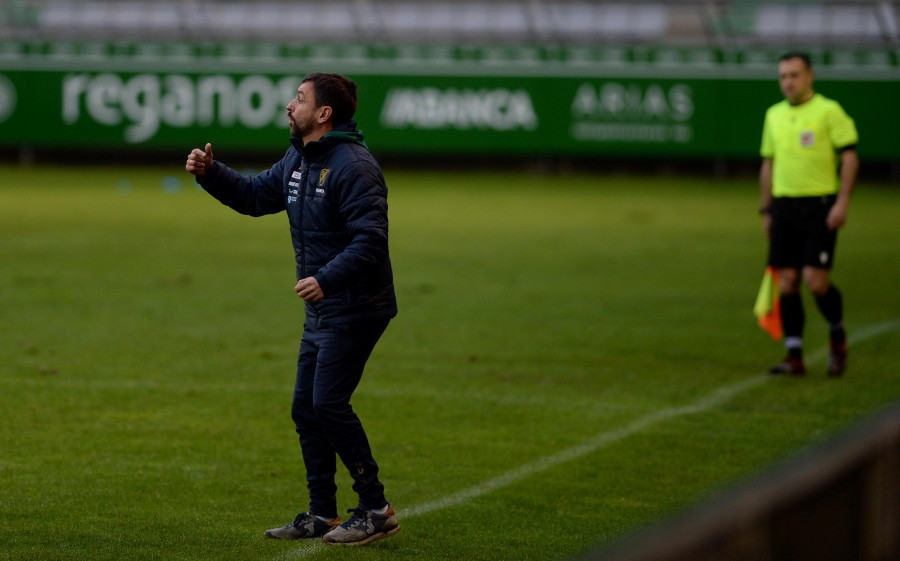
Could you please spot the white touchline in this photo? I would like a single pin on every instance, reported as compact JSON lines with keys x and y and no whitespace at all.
{"x":592,"y":445}
{"x":605,"y":438}
{"x":714,"y":399}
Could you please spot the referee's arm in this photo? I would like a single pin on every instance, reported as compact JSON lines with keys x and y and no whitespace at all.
{"x":849,"y":169}
{"x":765,"y":194}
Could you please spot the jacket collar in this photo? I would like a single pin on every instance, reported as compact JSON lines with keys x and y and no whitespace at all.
{"x":342,"y":133}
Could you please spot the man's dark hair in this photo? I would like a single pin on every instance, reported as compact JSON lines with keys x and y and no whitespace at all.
{"x":797,"y":54}
{"x":335,"y":91}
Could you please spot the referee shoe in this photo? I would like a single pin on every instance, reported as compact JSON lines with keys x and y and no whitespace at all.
{"x":789,"y":365}
{"x":837,"y":361}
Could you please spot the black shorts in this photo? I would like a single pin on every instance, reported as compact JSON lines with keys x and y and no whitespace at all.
{"x":800,"y":236}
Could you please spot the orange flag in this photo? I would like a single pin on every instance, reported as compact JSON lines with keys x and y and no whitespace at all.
{"x":767,"y":307}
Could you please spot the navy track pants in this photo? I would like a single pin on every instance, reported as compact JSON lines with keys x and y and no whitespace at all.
{"x":329,"y":368}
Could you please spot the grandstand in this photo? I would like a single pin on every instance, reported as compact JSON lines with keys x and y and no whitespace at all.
{"x":871,"y":24}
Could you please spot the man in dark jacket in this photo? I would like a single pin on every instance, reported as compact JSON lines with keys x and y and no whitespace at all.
{"x":336,"y":201}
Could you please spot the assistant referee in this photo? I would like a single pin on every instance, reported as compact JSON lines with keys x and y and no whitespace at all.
{"x":804,"y":200}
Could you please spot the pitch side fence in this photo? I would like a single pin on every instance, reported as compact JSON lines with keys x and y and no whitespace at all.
{"x":840,"y":502}
{"x":514,"y":100}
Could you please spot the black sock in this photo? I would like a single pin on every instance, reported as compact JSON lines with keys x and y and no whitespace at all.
{"x":792,"y":320}
{"x":831,"y":304}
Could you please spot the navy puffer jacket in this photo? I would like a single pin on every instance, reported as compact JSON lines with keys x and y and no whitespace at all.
{"x":336,"y":201}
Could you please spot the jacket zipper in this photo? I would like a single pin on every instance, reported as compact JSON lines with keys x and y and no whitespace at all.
{"x":301,"y":200}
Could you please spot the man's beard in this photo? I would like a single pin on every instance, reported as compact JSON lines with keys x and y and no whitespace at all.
{"x":299,"y":129}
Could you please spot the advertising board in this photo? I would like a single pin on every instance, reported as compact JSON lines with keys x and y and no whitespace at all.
{"x":524,"y":100}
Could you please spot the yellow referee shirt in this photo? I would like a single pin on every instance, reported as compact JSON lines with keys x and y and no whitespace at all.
{"x":802,"y":141}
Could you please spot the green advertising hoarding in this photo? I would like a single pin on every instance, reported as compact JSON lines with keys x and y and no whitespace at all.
{"x":578,"y":101}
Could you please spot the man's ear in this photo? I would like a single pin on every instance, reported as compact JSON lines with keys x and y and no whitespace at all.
{"x":324,"y":114}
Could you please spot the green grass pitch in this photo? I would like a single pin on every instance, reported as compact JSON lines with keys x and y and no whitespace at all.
{"x":575,"y":357}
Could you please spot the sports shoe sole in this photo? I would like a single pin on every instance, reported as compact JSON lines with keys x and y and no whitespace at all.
{"x":370,"y":539}
{"x":269,"y":534}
